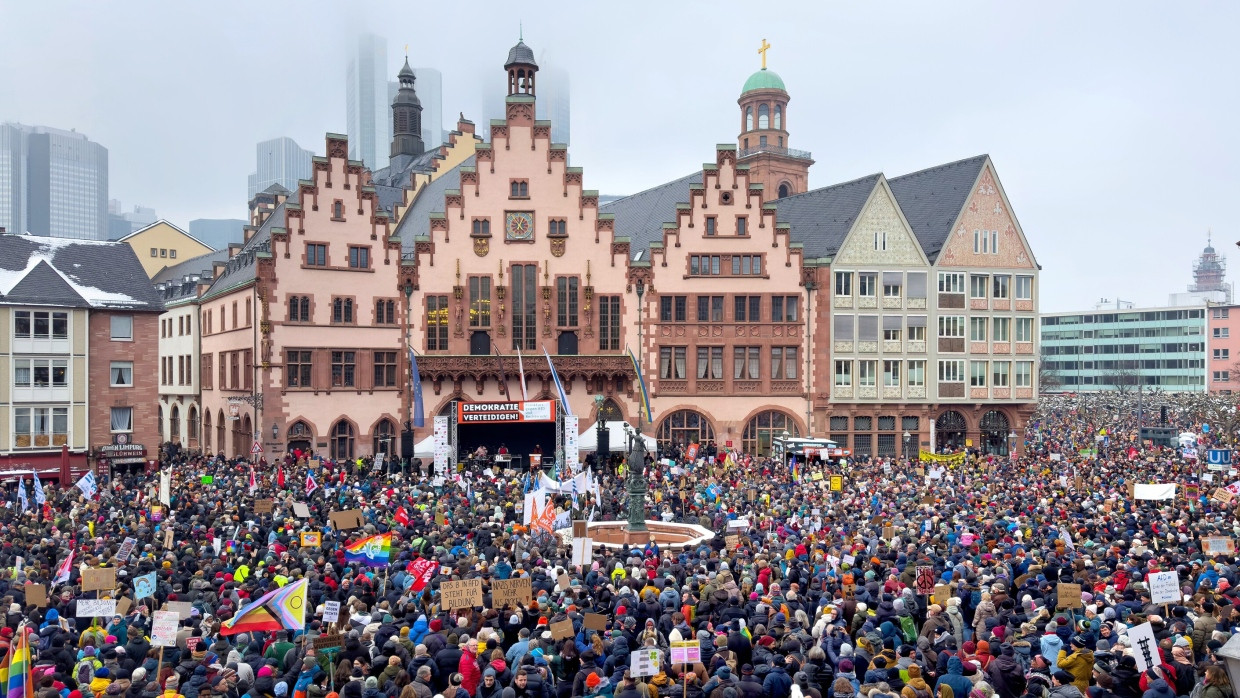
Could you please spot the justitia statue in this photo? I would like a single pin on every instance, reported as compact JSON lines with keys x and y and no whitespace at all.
{"x":635,"y":482}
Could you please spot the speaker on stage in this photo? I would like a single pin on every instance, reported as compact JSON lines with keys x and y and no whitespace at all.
{"x":406,"y":442}
{"x":604,"y":445}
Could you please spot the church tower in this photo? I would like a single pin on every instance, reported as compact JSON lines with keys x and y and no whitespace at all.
{"x":407,"y":117}
{"x":521,"y":69}
{"x":764,"y":135}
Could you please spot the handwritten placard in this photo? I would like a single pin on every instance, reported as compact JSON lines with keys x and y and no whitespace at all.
{"x":99,"y":579}
{"x":96,"y":608}
{"x":264,"y":506}
{"x":506,"y":592}
{"x":1069,"y":595}
{"x":562,"y":630}
{"x":465,"y":593}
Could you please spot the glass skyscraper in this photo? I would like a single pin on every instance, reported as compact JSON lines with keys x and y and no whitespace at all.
{"x":53,"y":183}
{"x":368,"y":103}
{"x":280,"y":161}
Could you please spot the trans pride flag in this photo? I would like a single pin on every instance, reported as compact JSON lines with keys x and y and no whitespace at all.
{"x":374,"y":551}
{"x":282,"y":609}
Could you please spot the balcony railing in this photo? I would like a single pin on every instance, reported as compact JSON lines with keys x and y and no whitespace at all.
{"x":776,"y":150}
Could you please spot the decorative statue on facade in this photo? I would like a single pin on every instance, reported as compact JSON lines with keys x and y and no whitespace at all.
{"x":635,"y":481}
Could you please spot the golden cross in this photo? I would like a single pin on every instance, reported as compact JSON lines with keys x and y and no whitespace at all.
{"x":765,"y":47}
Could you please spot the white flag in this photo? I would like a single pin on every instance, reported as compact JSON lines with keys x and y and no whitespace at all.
{"x":21,"y":496}
{"x":165,"y":487}
{"x":88,"y":485}
{"x":521,"y":368}
{"x":39,"y":497}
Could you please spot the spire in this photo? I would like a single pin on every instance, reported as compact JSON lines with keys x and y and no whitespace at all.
{"x":407,"y":116}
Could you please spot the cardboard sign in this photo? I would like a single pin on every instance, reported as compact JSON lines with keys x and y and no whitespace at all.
{"x":465,"y":593}
{"x":596,"y":621}
{"x":1164,"y":587}
{"x":331,"y":611}
{"x":510,"y":592}
{"x":326,"y":642}
{"x":686,"y":652}
{"x":36,"y":595}
{"x":1020,"y":581}
{"x":580,"y":529}
{"x":1069,"y":595}
{"x":300,"y":510}
{"x":264,"y":506}
{"x":99,"y":579}
{"x":562,"y":630}
{"x":311,"y":539}
{"x":849,"y":590}
{"x":346,"y":520}
{"x":181,"y":608}
{"x":732,"y":542}
{"x":96,"y":608}
{"x":919,"y":471}
{"x":1222,"y":495}
{"x":168,"y":539}
{"x":889,"y":532}
{"x":1218,"y":545}
{"x":164,"y":628}
{"x":564,"y":581}
{"x":123,"y":605}
{"x":942,"y":592}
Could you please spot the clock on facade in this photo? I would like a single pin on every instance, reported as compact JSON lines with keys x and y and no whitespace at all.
{"x":519,"y":225}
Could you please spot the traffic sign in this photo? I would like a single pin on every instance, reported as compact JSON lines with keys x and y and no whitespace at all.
{"x":257,"y":448}
{"x":1218,"y":458}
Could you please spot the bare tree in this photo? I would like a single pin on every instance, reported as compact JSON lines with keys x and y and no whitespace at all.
{"x":1048,"y":380}
{"x":1123,"y":377}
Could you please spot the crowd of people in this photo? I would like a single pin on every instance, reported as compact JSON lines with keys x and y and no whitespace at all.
{"x":819,"y":594}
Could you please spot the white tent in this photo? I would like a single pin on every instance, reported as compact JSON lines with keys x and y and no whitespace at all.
{"x":425,"y":448}
{"x":617,"y":438}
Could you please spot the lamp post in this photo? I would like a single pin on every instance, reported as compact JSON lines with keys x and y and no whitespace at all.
{"x":640,"y":287}
{"x":907,"y":436}
{"x":1011,"y":444}
{"x":406,"y":439}
{"x":599,"y":429}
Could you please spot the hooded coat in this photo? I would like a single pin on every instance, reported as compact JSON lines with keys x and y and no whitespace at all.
{"x":955,"y":679}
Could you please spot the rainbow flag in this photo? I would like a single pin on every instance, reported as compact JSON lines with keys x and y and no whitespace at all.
{"x":282,"y":609}
{"x":641,"y":384}
{"x":374,"y":551}
{"x":18,"y":683}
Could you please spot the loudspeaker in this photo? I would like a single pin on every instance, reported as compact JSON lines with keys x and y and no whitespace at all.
{"x":406,"y":444}
{"x":604,"y":445}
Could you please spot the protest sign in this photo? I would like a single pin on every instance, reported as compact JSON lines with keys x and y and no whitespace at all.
{"x":123,"y":605}
{"x":126,"y":549}
{"x":36,"y":595}
{"x":644,"y":662}
{"x":942,"y":592}
{"x":164,"y":628}
{"x":562,"y":630}
{"x":1164,"y":587}
{"x":103,"y":579}
{"x":564,"y":581}
{"x":311,"y":539}
{"x":505,"y":592}
{"x":264,"y":506}
{"x":346,"y":520}
{"x":331,"y":611}
{"x":925,"y":580}
{"x":301,"y":510}
{"x":465,"y":593}
{"x":596,"y":621}
{"x":168,"y":539}
{"x":686,"y":652}
{"x":326,"y":642}
{"x":1144,"y":646}
{"x":1218,"y":545}
{"x":1069,"y":595}
{"x":181,"y":608}
{"x":96,"y":608}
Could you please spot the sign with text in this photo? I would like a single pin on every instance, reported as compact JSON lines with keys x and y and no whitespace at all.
{"x":96,"y":608}
{"x":1164,"y":587}
{"x":686,"y":652}
{"x":1069,"y":595}
{"x":562,"y":630}
{"x":505,"y":592}
{"x":1218,"y":545}
{"x":264,"y":506}
{"x":465,"y":593}
{"x":326,"y":642}
{"x":925,"y":580}
{"x":99,"y":579}
{"x":164,"y":628}
{"x":331,"y":611}
{"x":644,"y":662}
{"x":505,"y":412}
{"x":181,"y":608}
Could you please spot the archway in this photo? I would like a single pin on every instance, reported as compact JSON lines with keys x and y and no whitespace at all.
{"x":683,"y":427}
{"x":384,"y":437}
{"x":995,"y":430}
{"x":244,"y":434}
{"x":300,"y":437}
{"x":174,"y":425}
{"x":206,"y":431}
{"x":756,"y":438}
{"x":610,"y":412}
{"x":950,"y":429}
{"x":342,"y":441}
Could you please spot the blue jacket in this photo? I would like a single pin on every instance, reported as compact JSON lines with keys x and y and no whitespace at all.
{"x":955,"y":678}
{"x":777,"y":684}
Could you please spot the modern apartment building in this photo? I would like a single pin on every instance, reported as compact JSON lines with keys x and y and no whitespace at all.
{"x":1223,"y":348}
{"x":53,"y":183}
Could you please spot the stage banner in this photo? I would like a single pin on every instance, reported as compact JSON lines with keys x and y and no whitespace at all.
{"x":505,"y":412}
{"x":571,"y":429}
{"x":441,"y":444}
{"x":954,"y":459}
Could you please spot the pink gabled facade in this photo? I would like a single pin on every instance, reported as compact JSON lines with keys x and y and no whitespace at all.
{"x":1223,"y":349}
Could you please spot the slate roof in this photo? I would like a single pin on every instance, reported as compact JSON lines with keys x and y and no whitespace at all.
{"x":932,"y":199}
{"x":242,"y":265}
{"x":36,"y":270}
{"x":172,"y":278}
{"x":821,"y":218}
{"x":640,"y":217}
{"x":390,"y":182}
{"x":416,"y":221}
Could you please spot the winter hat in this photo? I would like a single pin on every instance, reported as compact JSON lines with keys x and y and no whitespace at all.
{"x":1078,"y":640}
{"x":846,"y":665}
{"x":914,"y":671}
{"x":593,"y":680}
{"x":265,"y":670}
{"x":282,"y":689}
{"x":372,"y":682}
{"x":1063,"y":677}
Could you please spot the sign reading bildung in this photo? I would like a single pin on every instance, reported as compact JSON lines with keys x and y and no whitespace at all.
{"x":465,"y":593}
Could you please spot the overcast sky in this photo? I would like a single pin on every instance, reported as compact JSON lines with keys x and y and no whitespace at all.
{"x":1113,"y":125}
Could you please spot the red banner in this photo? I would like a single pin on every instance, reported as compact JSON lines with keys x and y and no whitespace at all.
{"x":423,"y":571}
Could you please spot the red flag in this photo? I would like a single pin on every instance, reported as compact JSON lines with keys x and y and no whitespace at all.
{"x":402,"y":517}
{"x":311,"y":485}
{"x":280,"y":477}
{"x":423,"y":571}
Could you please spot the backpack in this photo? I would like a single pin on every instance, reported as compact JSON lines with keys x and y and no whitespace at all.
{"x":84,"y":672}
{"x":909,"y":628}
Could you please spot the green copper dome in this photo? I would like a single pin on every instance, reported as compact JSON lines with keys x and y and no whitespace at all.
{"x":763,"y":80}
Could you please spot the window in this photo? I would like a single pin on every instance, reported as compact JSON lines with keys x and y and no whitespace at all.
{"x":704,"y":265}
{"x":121,"y":373}
{"x":764,"y":116}
{"x":36,"y":427}
{"x":985,"y":242}
{"x":673,"y":308}
{"x":843,"y":283}
{"x":748,"y":118}
{"x":385,"y":312}
{"x":891,"y":374}
{"x":977,"y":374}
{"x":1024,"y":374}
{"x":951,"y":371}
{"x":891,"y":284}
{"x":163,"y":252}
{"x":710,"y":362}
{"x":1000,"y":373}
{"x":784,"y":308}
{"x":746,"y":265}
{"x":843,"y":374}
{"x":481,"y":226}
{"x":557,"y":227}
{"x":1024,"y":289}
{"x":122,"y":419}
{"x":1222,"y":332}
{"x":784,"y":363}
{"x":672,"y":362}
{"x":1002,"y":329}
{"x":206,"y":365}
{"x":1216,"y":313}
{"x":316,"y":255}
{"x":977,"y":329}
{"x":342,"y":310}
{"x":436,"y":323}
{"x":951,"y":326}
{"x":343,"y":366}
{"x":742,"y":226}
{"x":746,"y":363}
{"x":154,"y":251}
{"x":710,"y":309}
{"x":385,"y":369}
{"x":479,"y":301}
{"x":122,"y":326}
{"x":951,"y":282}
{"x":891,"y":328}
{"x":1222,"y":376}
{"x":359,"y":257}
{"x":867,"y":371}
{"x":609,"y":323}
{"x":867,"y":283}
{"x":566,"y":301}
{"x":779,"y":117}
{"x":1222,"y":354}
{"x":524,"y":306}
{"x":747,"y":309}
{"x":299,"y":308}
{"x":342,"y":441}
{"x":338,"y":211}
{"x":916,"y":374}
{"x":1001,"y":286}
{"x":519,"y":189}
{"x":710,"y":226}
{"x":298,"y":369}
{"x":916,"y":328}
{"x":172,"y":254}
{"x":978,"y":284}
{"x":880,"y":240}
{"x":1024,"y":329}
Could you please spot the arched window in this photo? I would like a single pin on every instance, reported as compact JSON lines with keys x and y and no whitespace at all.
{"x":783,"y":190}
{"x":220,"y":446}
{"x":764,"y":116}
{"x":193,"y":426}
{"x":748,"y":118}
{"x":161,"y":420}
{"x":779,"y":116}
{"x":385,"y":437}
{"x":949,"y":429}
{"x":610,"y":412}
{"x":756,"y":439}
{"x":342,"y":441}
{"x":206,"y":431}
{"x":174,"y":425}
{"x":995,"y":430}
{"x":682,"y":428}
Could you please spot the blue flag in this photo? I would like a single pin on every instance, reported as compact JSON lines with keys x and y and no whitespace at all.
{"x":21,"y":496}
{"x":559,"y":387}
{"x":39,"y":497}
{"x":419,"y":419}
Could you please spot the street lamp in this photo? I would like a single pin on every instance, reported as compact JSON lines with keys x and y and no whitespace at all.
{"x":1011,"y":444}
{"x":640,"y":287}
{"x":275,"y":431}
{"x":907,"y":436}
{"x":599,"y":430}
